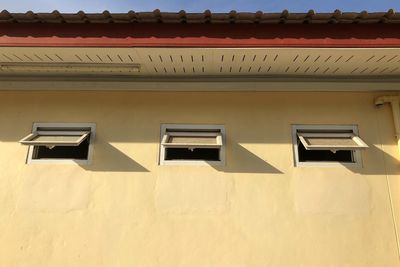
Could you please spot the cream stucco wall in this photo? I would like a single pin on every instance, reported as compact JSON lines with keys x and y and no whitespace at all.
{"x":258,"y":210}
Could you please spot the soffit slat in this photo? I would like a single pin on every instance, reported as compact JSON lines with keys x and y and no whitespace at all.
{"x":221,"y":62}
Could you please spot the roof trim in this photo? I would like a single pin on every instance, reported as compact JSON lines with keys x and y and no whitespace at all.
{"x":160,"y":29}
{"x":200,"y":35}
{"x":207,"y":16}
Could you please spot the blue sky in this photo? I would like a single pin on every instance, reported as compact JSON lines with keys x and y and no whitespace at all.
{"x":197,"y":5}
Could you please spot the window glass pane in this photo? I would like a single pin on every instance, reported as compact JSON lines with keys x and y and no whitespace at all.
{"x":192,"y":140}
{"x":56,"y":138}
{"x":323,"y":155}
{"x":62,"y":152}
{"x":334,"y":141}
{"x":192,"y":154}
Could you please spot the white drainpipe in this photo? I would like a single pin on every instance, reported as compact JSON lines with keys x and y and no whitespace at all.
{"x":395,"y":103}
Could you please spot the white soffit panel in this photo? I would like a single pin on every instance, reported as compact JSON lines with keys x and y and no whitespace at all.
{"x":192,"y":62}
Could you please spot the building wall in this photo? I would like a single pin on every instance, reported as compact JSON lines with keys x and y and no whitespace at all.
{"x":257,"y":210}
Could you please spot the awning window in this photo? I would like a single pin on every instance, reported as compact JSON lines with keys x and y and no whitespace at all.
{"x":331,"y":141}
{"x":192,"y":139}
{"x":55,"y":138}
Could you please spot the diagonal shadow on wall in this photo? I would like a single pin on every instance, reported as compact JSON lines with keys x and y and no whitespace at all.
{"x":241,"y":160}
{"x":107,"y":158}
{"x":375,"y":161}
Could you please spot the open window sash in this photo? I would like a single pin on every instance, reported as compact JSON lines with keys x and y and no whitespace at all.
{"x":55,"y":138}
{"x":331,"y":141}
{"x":192,"y":140}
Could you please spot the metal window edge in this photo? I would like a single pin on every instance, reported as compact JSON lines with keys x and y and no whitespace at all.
{"x":356,"y":153}
{"x":76,"y":125}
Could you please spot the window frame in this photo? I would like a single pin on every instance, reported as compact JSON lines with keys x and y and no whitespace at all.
{"x":64,"y":127}
{"x":29,"y":139}
{"x":355,"y":138}
{"x":167,"y":135}
{"x":356,"y":153}
{"x":170,"y":127}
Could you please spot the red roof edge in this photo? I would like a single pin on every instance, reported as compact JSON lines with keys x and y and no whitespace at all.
{"x":199,"y":35}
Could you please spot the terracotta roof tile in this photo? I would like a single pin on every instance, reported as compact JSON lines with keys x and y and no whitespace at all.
{"x":205,"y":17}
